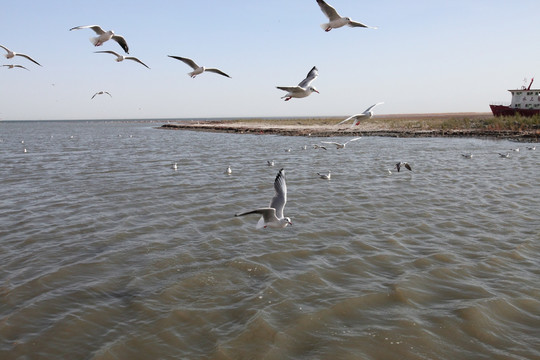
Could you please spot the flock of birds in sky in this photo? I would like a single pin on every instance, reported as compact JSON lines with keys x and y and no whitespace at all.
{"x":303,"y":89}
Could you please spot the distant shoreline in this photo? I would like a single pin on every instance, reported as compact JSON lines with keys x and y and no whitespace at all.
{"x":478,"y":125}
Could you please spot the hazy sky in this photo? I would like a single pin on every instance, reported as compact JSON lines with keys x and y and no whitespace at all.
{"x":425,"y":56}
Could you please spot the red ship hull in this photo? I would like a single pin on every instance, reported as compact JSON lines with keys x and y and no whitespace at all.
{"x":501,"y":110}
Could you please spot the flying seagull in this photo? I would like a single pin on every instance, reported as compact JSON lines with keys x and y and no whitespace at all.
{"x":336,"y":21}
{"x":122,"y":57}
{"x":101,"y":93}
{"x":14,"y":66}
{"x":196,"y":68}
{"x":10,"y":54}
{"x":272,"y":216}
{"x":303,"y":89}
{"x":341,"y":146}
{"x":401,"y":163}
{"x":366,"y":115}
{"x":104,"y":36}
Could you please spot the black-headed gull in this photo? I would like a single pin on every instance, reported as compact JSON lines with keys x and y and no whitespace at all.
{"x":336,"y":21}
{"x":270,"y":162}
{"x":104,"y":36}
{"x":505,"y":155}
{"x":401,"y":163}
{"x":12,"y":66}
{"x":272,"y":216}
{"x":303,"y":89}
{"x":531,"y":147}
{"x":325,"y":176}
{"x":10,"y":54}
{"x":467,"y":155}
{"x":316,"y":146}
{"x":228,"y":171}
{"x":339,"y":145}
{"x":366,"y":115}
{"x":122,"y":57}
{"x":100,"y":93}
{"x":196,"y":68}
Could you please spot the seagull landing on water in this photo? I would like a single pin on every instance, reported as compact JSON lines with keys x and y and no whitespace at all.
{"x":401,"y":163}
{"x":10,"y":66}
{"x":366,"y":115}
{"x":325,"y":176}
{"x":101,"y":93}
{"x":122,"y":57}
{"x":341,"y":146}
{"x":104,"y":36}
{"x":303,"y":89}
{"x":196,"y":68}
{"x":336,"y":21}
{"x":11,"y":54}
{"x":272,"y":216}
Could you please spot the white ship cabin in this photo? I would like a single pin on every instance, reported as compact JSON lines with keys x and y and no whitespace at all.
{"x":525,"y":99}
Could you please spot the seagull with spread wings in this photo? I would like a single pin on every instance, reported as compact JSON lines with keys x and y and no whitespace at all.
{"x":196,"y":68}
{"x":339,"y":145}
{"x":104,"y":36}
{"x":337,"y":21}
{"x":303,"y":89}
{"x":11,"y":54}
{"x":122,"y":57}
{"x":272,"y":216}
{"x":366,"y":115}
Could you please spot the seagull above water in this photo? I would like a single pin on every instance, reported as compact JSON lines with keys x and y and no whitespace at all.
{"x":196,"y":68}
{"x":325,"y":176}
{"x":11,"y":54}
{"x":336,"y":21}
{"x":11,"y":66}
{"x":272,"y":216}
{"x":101,"y":93}
{"x":401,"y":163}
{"x":303,"y":89}
{"x":122,"y":57}
{"x":366,"y":115}
{"x":341,"y":146}
{"x":104,"y":36}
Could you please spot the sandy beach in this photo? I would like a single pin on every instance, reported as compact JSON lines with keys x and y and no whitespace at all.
{"x":395,"y":125}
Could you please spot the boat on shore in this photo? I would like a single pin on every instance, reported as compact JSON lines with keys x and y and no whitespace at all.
{"x":525,"y":102}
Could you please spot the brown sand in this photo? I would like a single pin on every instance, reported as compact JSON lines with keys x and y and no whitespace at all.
{"x":403,"y":125}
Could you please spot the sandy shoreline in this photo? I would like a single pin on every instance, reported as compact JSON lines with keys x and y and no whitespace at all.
{"x":383,"y":125}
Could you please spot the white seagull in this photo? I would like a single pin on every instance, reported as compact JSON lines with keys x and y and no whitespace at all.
{"x":401,"y":163}
{"x":11,"y":66}
{"x":228,"y":171}
{"x":270,"y":162}
{"x":303,"y":89}
{"x":104,"y":36}
{"x":100,"y":93}
{"x":10,"y":54}
{"x":506,"y":155}
{"x":467,"y":155}
{"x":339,"y":145}
{"x":325,"y":176}
{"x":336,"y":21}
{"x":196,"y":68}
{"x":366,"y":115}
{"x":531,"y":147}
{"x":272,"y":216}
{"x":122,"y":57}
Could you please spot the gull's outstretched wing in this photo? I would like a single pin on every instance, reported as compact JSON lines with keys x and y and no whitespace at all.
{"x":280,"y":198}
{"x":328,"y":10}
{"x":312,"y":74}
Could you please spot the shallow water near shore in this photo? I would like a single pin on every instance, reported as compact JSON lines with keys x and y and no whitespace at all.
{"x":109,"y":253}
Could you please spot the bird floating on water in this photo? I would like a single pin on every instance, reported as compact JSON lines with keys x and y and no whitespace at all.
{"x":272,"y":216}
{"x":337,"y":21}
{"x":316,"y":146}
{"x":270,"y":162}
{"x":303,"y":89}
{"x":366,"y":115}
{"x":505,"y":155}
{"x":531,"y":147}
{"x":228,"y":171}
{"x":339,"y":145}
{"x":401,"y":163}
{"x":122,"y":57}
{"x":104,"y":36}
{"x":467,"y":155}
{"x":13,"y":66}
{"x":11,"y":54}
{"x":325,"y":176}
{"x":196,"y":68}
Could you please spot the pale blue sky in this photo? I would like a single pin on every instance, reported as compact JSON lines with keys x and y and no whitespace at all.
{"x":425,"y":56}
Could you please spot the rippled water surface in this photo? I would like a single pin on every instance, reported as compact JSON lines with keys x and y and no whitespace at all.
{"x":106,"y":252}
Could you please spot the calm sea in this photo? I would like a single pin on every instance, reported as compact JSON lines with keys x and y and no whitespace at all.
{"x":106,"y":252}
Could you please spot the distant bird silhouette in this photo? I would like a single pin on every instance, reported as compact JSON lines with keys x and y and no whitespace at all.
{"x":401,"y":163}
{"x":101,"y":93}
{"x":11,"y":54}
